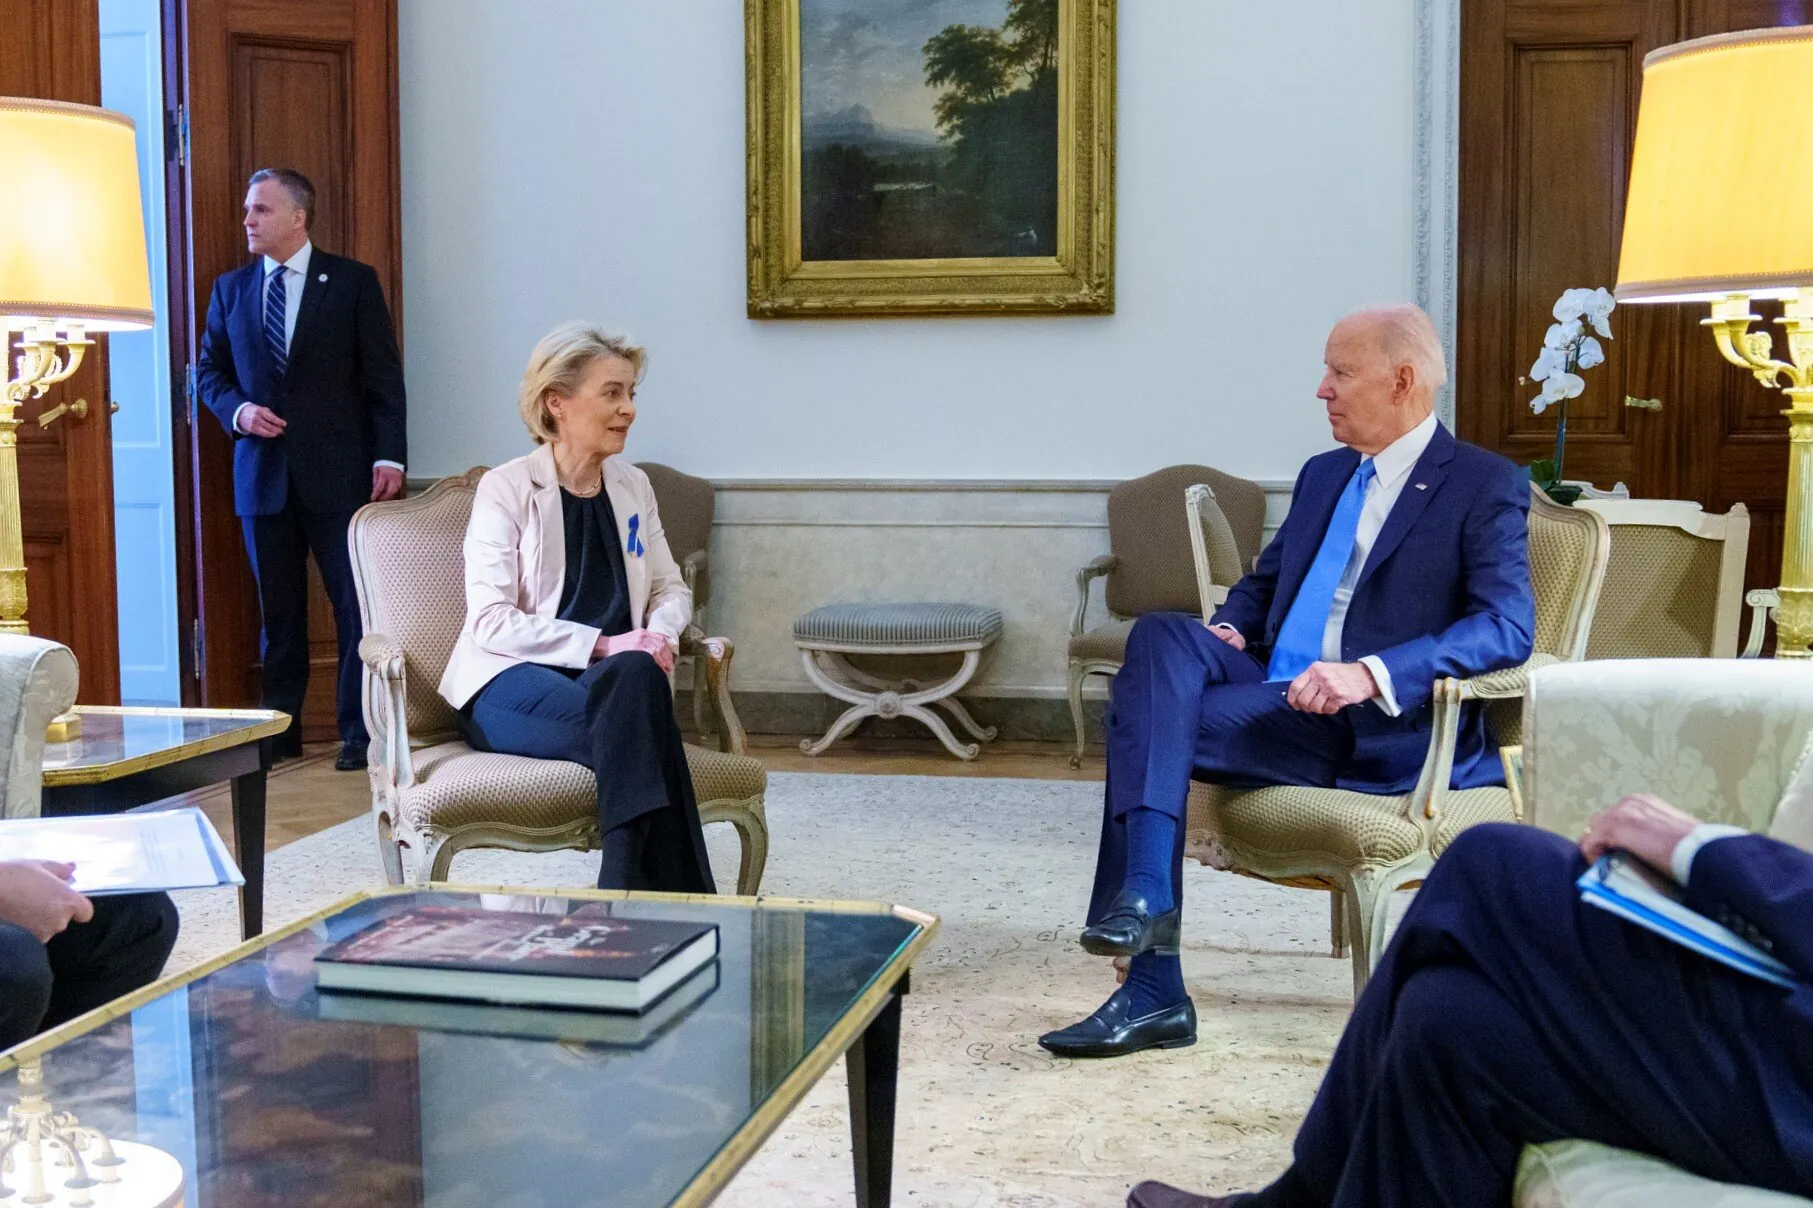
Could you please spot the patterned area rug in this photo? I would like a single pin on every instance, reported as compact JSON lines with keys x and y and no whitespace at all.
{"x":987,"y":1118}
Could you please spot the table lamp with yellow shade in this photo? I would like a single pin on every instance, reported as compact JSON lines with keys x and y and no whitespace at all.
{"x":72,"y":262}
{"x":1720,"y":210}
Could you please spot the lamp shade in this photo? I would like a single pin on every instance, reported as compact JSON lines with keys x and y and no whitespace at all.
{"x":72,"y":235}
{"x":1721,"y":181}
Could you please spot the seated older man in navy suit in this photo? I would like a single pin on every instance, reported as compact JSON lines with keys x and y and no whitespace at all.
{"x":1404,"y":559}
{"x":1507,"y":1012}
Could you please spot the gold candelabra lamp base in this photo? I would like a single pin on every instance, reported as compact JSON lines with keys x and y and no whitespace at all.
{"x":58,"y":1163}
{"x":46,"y":356}
{"x":1752,"y":350}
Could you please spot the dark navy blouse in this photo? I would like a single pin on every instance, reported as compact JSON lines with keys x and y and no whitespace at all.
{"x":596,"y":591}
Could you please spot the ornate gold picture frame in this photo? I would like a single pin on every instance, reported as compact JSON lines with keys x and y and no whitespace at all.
{"x":876,"y":191}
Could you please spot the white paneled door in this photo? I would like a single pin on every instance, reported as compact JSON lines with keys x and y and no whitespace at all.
{"x":144,"y":495}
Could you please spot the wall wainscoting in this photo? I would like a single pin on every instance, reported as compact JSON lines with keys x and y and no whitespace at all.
{"x":781,"y":547}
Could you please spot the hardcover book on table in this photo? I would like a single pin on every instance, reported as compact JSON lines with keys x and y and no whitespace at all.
{"x":618,"y":964}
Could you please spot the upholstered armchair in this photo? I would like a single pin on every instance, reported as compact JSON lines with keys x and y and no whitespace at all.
{"x":1674,"y":587}
{"x":1721,"y":739}
{"x":1148,"y":567}
{"x":1364,"y":847}
{"x":432,"y":795}
{"x":688,"y":506}
{"x":37,"y":682}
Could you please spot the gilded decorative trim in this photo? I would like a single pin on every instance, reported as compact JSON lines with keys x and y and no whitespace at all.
{"x":270,"y":723}
{"x":1078,"y":280}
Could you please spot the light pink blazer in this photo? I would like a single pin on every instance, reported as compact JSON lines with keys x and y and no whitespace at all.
{"x":516,"y":565}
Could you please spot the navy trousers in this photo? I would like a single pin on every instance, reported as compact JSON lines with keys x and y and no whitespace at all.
{"x":1506,"y":1012}
{"x":279,"y":546}
{"x":1186,"y":704}
{"x":616,"y":718}
{"x":87,"y":965}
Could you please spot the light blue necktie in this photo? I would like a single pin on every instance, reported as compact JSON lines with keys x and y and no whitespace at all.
{"x":1300,"y":637}
{"x":276,"y":298}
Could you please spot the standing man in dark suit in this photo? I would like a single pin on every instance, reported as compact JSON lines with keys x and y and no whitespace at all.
{"x":300,"y":364}
{"x":1404,"y":558}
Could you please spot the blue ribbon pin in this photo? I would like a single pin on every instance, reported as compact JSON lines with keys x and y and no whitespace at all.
{"x":634,"y":544}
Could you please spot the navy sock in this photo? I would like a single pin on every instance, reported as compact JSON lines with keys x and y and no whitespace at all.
{"x":1154,"y":982}
{"x":1151,"y":847}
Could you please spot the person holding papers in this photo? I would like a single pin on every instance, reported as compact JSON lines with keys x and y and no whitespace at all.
{"x":1506,"y":1011}
{"x":63,"y":954}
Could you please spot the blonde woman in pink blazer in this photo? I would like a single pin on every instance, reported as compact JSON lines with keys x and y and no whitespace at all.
{"x":574,"y":610}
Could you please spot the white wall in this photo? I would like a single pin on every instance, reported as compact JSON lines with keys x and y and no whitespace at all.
{"x":584,"y":158}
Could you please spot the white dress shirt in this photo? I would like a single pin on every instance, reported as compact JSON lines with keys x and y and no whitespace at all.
{"x":295,"y":272}
{"x":1681,"y":863}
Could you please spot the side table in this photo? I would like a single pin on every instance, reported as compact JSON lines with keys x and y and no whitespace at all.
{"x":128,"y":757}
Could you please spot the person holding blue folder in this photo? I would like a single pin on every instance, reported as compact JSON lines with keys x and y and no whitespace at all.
{"x":1507,"y":1011}
{"x":63,"y":954}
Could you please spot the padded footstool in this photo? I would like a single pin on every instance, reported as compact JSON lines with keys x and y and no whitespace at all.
{"x":826,"y":635}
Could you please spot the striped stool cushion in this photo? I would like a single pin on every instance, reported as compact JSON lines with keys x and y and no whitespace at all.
{"x":898,"y":625}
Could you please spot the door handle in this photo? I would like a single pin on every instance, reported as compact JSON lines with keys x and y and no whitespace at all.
{"x":79,"y":409}
{"x":1643,"y":404}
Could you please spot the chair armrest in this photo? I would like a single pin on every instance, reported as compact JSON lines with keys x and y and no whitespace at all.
{"x":1763,"y":602}
{"x":40,"y":679}
{"x":1507,"y":683}
{"x":1718,"y":738}
{"x":386,"y":707}
{"x":1098,"y":567}
{"x":715,"y":654}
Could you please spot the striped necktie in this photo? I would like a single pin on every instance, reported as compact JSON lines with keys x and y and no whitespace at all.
{"x":276,"y":299}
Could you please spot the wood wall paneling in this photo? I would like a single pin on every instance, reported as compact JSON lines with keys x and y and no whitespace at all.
{"x":1549,"y":98}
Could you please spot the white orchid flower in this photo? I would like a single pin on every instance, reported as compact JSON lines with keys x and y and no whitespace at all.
{"x":1558,"y":387}
{"x":1560,"y":335}
{"x":1598,"y":310}
{"x":1550,"y":362}
{"x":1592,"y":352}
{"x":1571,"y":304}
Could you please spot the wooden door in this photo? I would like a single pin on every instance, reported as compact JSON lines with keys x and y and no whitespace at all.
{"x":310,"y":85}
{"x":1548,"y":111}
{"x":52,"y":49}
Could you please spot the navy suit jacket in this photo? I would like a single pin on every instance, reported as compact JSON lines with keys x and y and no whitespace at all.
{"x":1445,"y":592}
{"x":1762,"y":888}
{"x":341,"y":395}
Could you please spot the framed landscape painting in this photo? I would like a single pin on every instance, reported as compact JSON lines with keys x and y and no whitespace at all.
{"x":930,"y":157}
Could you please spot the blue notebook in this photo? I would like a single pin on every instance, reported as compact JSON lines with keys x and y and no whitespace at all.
{"x":1629,"y":889}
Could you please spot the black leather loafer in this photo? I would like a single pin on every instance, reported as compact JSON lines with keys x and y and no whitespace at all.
{"x":1130,"y":928}
{"x":1163,"y":1195}
{"x":352,"y":758}
{"x":1111,"y":1033}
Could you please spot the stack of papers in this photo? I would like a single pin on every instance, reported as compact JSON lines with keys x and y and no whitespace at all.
{"x":127,"y":853}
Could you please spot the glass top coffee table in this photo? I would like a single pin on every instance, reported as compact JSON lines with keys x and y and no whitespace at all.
{"x":265,"y":1090}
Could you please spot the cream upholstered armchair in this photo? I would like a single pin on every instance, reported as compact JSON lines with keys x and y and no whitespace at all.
{"x":1674,"y":587}
{"x":1146,"y":568}
{"x":37,"y":682}
{"x":1724,"y":740}
{"x":1364,"y":847}
{"x":431,"y":794}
